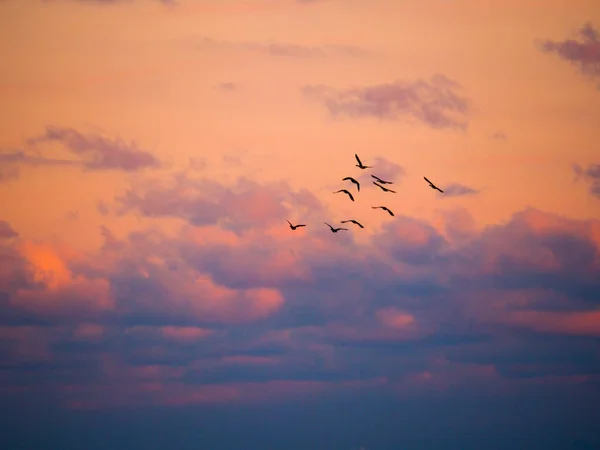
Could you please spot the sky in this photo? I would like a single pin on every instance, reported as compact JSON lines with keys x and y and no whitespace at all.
{"x":152,"y":294}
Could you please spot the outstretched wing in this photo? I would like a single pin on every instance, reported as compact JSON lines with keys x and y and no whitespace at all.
{"x":439,"y":189}
{"x":328,"y":225}
{"x":351,"y":197}
{"x":302,"y":225}
{"x":426,"y":179}
{"x":358,"y":159}
{"x":289,"y":222}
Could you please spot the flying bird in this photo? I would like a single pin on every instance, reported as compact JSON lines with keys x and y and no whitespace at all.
{"x":360,"y":164}
{"x":384,"y":208}
{"x":345,"y":192}
{"x":293,"y":227}
{"x":433,"y":186}
{"x":382,"y":181}
{"x":353,"y":181}
{"x":353,"y":221}
{"x":384,"y":188}
{"x":335,"y":230}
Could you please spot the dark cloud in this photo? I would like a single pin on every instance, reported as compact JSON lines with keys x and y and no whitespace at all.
{"x":434,"y":102}
{"x":97,"y":152}
{"x":583,"y":52}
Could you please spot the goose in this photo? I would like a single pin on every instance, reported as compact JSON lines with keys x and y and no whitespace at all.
{"x":353,"y":181}
{"x":345,"y":192}
{"x":384,"y":208}
{"x":335,"y":230}
{"x":353,"y":221}
{"x":360,"y":164}
{"x":293,"y":227}
{"x":433,"y":186}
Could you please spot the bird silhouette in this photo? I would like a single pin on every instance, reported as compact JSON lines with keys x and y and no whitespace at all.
{"x":383,"y":188}
{"x":293,"y":227}
{"x":353,"y":181}
{"x":360,"y":164}
{"x":433,"y":186}
{"x":384,"y":208}
{"x":353,"y":221}
{"x":382,"y":181}
{"x":335,"y":230}
{"x":345,"y":192}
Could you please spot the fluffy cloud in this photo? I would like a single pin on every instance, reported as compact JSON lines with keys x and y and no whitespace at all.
{"x":211,"y":314}
{"x":434,"y":102}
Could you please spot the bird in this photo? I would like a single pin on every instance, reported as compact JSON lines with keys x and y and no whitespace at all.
{"x":353,"y":221}
{"x":353,"y":181}
{"x":345,"y":192}
{"x":433,"y":186}
{"x":335,"y":230}
{"x":382,"y":181}
{"x":384,"y":188}
{"x":360,"y":164}
{"x":384,"y":208}
{"x":293,"y":227}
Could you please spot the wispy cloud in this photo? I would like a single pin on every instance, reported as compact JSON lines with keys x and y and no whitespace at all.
{"x":288,"y":50}
{"x":98,"y":152}
{"x":583,"y":52}
{"x":458,"y":190}
{"x":435,"y":102}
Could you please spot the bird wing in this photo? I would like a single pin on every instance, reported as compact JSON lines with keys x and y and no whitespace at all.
{"x":428,"y":181}
{"x":289,"y":222}
{"x":348,"y":178}
{"x":358,"y":159}
{"x":390,"y":190}
{"x":351,"y":197}
{"x":439,"y":189}
{"x":344,"y":221}
{"x":328,"y":225}
{"x":378,"y":185}
{"x":357,"y":223}
{"x":297,"y":226}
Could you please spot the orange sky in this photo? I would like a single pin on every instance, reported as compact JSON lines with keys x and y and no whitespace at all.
{"x":141,"y":72}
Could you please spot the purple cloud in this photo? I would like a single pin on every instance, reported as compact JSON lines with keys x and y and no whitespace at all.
{"x":459,"y":190}
{"x":97,"y":152}
{"x":434,"y":103}
{"x":6,"y":231}
{"x":592,"y":175}
{"x":583,"y":52}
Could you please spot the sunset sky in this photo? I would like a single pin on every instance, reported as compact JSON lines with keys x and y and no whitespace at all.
{"x":152,"y":294}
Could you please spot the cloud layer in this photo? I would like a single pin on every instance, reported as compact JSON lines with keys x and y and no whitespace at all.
{"x":258,"y":311}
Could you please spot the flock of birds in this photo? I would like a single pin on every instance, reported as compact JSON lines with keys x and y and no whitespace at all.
{"x":379,"y":183}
